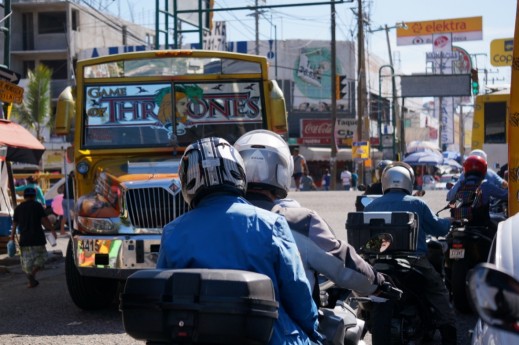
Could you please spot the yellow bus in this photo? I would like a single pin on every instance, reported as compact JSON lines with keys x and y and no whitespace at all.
{"x":131,"y":117}
{"x":489,"y":127}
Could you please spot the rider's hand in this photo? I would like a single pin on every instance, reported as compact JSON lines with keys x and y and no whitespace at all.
{"x":388,"y":290}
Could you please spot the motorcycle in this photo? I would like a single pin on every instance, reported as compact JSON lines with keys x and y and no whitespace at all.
{"x":468,"y":245}
{"x":387,"y":240}
{"x":337,"y":318}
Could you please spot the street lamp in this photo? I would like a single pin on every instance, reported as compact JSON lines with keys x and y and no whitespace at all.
{"x":386,"y":28}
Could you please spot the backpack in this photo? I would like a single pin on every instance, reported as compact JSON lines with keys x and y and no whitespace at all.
{"x":470,"y":199}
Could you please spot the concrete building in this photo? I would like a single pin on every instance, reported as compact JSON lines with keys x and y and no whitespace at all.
{"x":55,"y":33}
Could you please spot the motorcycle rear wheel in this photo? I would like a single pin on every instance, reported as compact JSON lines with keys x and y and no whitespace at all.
{"x":460,"y":299}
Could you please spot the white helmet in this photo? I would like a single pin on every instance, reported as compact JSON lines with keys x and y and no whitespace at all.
{"x":268,"y":162}
{"x":479,"y":153}
{"x":398,"y":175}
{"x":211,"y":165}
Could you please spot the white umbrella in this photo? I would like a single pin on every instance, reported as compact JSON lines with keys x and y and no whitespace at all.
{"x":421,"y":146}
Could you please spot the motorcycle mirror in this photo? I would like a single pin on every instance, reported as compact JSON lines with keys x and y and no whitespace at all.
{"x":365,"y":201}
{"x":495,"y":295}
{"x":361,"y":187}
{"x":378,"y":243}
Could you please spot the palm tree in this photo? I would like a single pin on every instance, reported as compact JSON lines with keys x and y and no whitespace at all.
{"x":35,"y":111}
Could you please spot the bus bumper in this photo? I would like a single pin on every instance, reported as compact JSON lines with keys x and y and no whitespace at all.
{"x":115,"y":256}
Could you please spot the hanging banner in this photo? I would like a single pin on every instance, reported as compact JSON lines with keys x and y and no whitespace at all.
{"x":442,"y":55}
{"x":447,"y":119}
{"x":360,"y":150}
{"x":216,"y":39}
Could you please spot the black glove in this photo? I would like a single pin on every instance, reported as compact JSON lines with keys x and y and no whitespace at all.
{"x":389,"y":291}
{"x":459,"y":223}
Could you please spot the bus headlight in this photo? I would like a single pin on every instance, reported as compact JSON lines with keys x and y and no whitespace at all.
{"x":97,"y":225}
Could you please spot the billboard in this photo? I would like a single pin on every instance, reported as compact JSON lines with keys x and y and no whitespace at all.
{"x":501,"y":52}
{"x":436,"y":85}
{"x":462,"y":29}
{"x":188,"y":11}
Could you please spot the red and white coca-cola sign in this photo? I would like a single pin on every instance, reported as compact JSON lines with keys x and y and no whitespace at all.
{"x":311,"y":128}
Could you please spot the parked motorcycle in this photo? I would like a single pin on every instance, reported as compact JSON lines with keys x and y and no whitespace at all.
{"x":388,"y":240}
{"x":468,"y":245}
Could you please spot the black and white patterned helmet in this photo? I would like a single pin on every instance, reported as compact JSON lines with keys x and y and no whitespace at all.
{"x":211,"y":165}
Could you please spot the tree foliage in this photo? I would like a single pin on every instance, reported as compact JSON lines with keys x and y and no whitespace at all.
{"x":35,"y":111}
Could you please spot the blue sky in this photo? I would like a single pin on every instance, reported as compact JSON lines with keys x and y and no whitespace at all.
{"x":313,"y":22}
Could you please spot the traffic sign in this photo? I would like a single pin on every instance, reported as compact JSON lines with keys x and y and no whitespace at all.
{"x":10,"y":76}
{"x":10,"y":93}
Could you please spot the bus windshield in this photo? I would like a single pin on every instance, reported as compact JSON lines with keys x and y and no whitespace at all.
{"x":134,"y":115}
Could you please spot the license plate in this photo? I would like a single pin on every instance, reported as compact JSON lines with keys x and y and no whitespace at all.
{"x":457,"y":253}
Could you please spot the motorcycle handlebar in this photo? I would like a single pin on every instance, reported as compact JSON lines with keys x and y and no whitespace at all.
{"x":387,"y":290}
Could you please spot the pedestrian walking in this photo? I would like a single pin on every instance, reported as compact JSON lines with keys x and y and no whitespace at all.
{"x":28,"y":217}
{"x":307,"y":182}
{"x":326,"y":180}
{"x":299,"y":167}
{"x":32,"y":182}
{"x":67,"y":203}
{"x":346,"y":179}
{"x":354,"y":180}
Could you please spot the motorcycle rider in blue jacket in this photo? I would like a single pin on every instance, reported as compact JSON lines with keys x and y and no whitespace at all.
{"x":268,"y":166}
{"x":223,"y":231}
{"x":475,"y":192}
{"x":397,"y":185}
{"x":490,"y":175}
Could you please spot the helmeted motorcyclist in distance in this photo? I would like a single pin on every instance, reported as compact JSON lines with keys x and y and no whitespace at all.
{"x":491,"y":176}
{"x":475,"y":192}
{"x":397,"y":185}
{"x":376,"y":187}
{"x":223,"y":231}
{"x":268,"y":166}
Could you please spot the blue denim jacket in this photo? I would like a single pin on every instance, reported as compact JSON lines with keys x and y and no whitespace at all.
{"x":225,"y":231}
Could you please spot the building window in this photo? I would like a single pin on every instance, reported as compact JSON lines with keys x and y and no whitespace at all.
{"x":75,"y":20}
{"x":28,"y":65}
{"x":52,"y":22}
{"x":59,"y":68}
{"x":495,"y":123}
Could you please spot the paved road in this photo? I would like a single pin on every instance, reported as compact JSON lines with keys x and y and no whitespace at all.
{"x":46,"y":314}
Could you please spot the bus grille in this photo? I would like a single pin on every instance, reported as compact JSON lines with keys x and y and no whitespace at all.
{"x":152,"y":208}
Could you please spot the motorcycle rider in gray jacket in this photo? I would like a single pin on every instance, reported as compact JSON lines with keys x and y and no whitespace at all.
{"x":269,"y":167}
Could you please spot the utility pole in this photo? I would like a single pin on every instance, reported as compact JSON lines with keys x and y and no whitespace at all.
{"x":256,"y":16}
{"x":333,"y":140}
{"x":361,"y":88}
